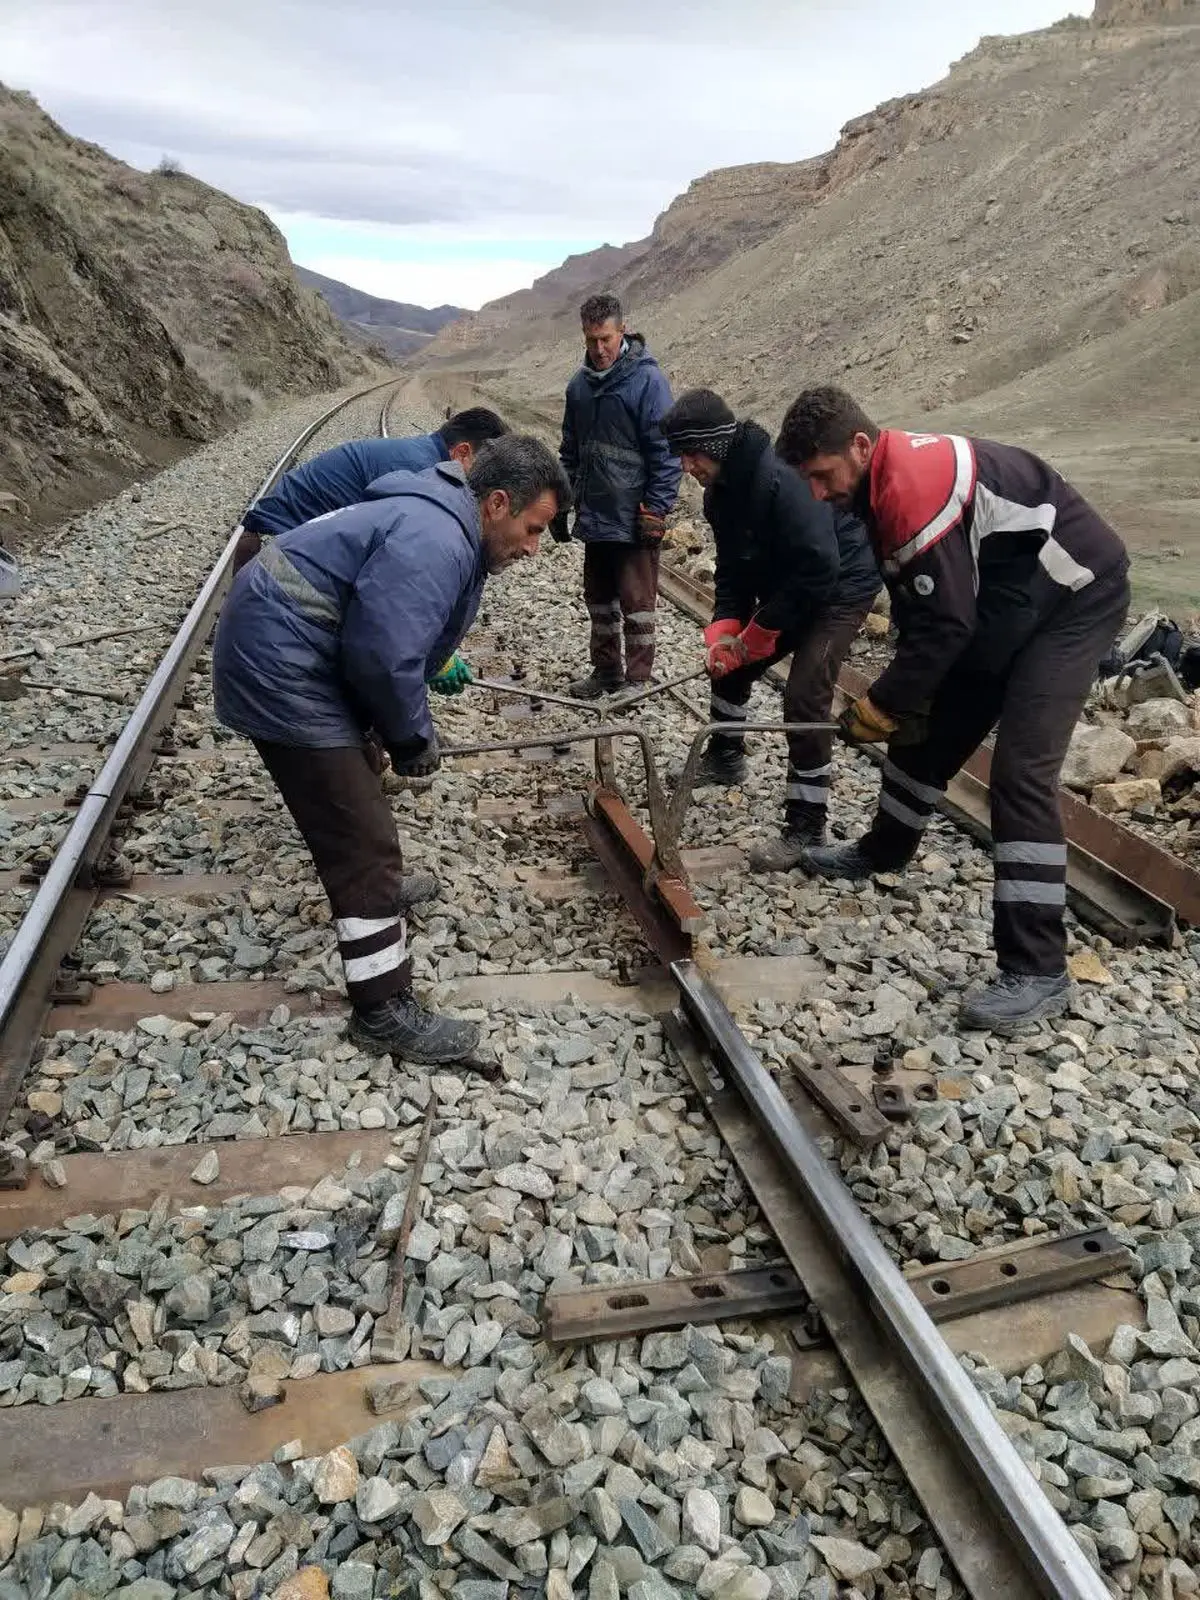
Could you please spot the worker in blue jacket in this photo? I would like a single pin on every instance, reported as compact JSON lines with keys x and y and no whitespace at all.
{"x":339,"y":477}
{"x":330,"y":636}
{"x":624,"y":481}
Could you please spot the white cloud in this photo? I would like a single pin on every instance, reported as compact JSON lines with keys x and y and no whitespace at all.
{"x":430,"y":283}
{"x":514,"y":118}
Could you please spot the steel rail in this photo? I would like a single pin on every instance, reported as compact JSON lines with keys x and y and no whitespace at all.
{"x":1047,"y":1551}
{"x":55,"y":918}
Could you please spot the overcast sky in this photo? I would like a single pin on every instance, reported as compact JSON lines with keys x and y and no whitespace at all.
{"x":454,"y":151}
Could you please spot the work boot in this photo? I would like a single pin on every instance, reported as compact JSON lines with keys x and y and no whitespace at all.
{"x":595,"y":686}
{"x":399,"y":1026}
{"x":786,"y":851}
{"x":723,"y":761}
{"x":1014,"y":1001}
{"x":416,"y":887}
{"x":839,"y":861}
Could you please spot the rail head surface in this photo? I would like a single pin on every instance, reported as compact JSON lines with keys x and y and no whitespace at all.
{"x":55,"y":917}
{"x":1054,"y":1562}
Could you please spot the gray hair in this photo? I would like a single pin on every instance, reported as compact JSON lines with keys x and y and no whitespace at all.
{"x":523,"y":467}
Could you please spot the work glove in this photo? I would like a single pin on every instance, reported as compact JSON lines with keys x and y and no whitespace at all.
{"x":651,"y":526}
{"x":415,"y":758}
{"x":375,"y":754}
{"x":741,"y":649}
{"x":559,"y":531}
{"x":863,"y":722}
{"x":453,"y":677}
{"x":721,"y":628}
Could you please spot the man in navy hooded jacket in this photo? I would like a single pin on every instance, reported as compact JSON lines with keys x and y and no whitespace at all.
{"x":339,"y":477}
{"x":329,"y":636}
{"x":625,"y":480}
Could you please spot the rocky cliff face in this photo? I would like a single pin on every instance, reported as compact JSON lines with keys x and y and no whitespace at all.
{"x":1120,"y":13}
{"x":138,"y":312}
{"x":1015,"y":249}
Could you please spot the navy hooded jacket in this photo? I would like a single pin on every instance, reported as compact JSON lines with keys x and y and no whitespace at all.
{"x":613,"y":451}
{"x":338,"y":478}
{"x":337,"y":626}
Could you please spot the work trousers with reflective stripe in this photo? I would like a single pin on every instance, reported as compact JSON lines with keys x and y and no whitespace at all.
{"x":620,"y":586}
{"x":817,"y":656}
{"x":1034,"y":707}
{"x":344,"y":818}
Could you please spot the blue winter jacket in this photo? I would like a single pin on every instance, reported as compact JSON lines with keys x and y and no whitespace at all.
{"x":612,"y":449}
{"x":338,"y":478}
{"x":337,"y":626}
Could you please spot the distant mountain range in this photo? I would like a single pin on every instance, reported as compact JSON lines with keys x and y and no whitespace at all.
{"x":400,"y":329}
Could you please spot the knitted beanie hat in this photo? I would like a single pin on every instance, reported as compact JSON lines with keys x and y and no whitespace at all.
{"x":699,"y":423}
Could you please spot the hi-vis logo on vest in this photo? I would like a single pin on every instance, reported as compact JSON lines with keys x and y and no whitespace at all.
{"x":923,"y":585}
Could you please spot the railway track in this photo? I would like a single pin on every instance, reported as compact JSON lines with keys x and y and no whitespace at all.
{"x":206,"y":1252}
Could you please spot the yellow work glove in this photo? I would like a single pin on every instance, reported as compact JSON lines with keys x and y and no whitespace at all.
{"x":863,"y":722}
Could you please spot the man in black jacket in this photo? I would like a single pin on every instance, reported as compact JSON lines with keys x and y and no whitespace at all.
{"x":1007,"y":589}
{"x":793,"y":578}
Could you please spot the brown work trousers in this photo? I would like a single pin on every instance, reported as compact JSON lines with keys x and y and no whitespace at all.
{"x":338,"y":804}
{"x":817,"y":656}
{"x":620,"y":586}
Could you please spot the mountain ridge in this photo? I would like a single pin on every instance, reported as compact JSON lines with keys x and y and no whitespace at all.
{"x":399,"y":328}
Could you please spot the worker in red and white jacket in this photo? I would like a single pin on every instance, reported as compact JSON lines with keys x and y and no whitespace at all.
{"x":1007,"y":589}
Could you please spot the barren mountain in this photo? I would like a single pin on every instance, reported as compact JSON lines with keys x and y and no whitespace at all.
{"x":398,"y":328}
{"x":1015,"y":250}
{"x":138,"y":311}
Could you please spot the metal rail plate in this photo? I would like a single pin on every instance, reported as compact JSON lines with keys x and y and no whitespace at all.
{"x":850,"y":1108}
{"x":947,"y":1290}
{"x":618,"y":1309}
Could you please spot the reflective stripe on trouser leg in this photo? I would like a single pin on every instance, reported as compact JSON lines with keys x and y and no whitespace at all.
{"x":601,"y":578}
{"x":639,"y":645}
{"x":637,"y":588}
{"x":905,"y":808}
{"x":374,"y":952}
{"x":721,"y":709}
{"x":806,"y":794}
{"x":606,"y":636}
{"x":1028,"y":901}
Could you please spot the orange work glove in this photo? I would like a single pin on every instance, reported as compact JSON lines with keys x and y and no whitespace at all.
{"x":751,"y":644}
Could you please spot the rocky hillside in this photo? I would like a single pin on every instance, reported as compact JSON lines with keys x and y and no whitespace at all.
{"x":393,"y":325}
{"x":1016,"y":250}
{"x":138,"y":312}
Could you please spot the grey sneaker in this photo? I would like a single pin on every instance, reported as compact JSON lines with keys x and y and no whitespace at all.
{"x":1014,"y":1001}
{"x":416,"y":887}
{"x":594,"y":687}
{"x":786,"y":851}
{"x":839,"y":861}
{"x":401,"y":1027}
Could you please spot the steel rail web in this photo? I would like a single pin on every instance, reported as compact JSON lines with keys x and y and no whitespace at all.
{"x":1046,"y":1549}
{"x":55,"y":917}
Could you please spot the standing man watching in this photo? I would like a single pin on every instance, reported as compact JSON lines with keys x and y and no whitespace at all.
{"x":793,"y":578}
{"x":624,"y":481}
{"x":1007,"y":590}
{"x":330,"y":635}
{"x":339,"y":477}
